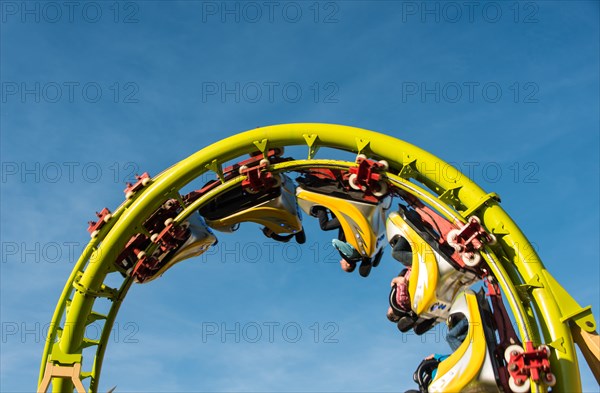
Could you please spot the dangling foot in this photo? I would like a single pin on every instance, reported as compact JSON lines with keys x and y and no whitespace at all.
{"x":405,"y":324}
{"x":365,"y":268}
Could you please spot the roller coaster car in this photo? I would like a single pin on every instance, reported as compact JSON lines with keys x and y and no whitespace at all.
{"x":436,"y":276}
{"x":171,"y":243}
{"x":362,"y":218}
{"x":253,"y":167}
{"x":472,"y":367}
{"x":275,"y":208}
{"x":191,"y":240}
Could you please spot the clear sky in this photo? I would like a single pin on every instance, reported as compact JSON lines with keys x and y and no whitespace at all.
{"x":93,"y":92}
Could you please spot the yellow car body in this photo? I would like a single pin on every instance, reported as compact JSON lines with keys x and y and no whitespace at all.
{"x":434,"y":281}
{"x":363,"y":223}
{"x":469,"y":368}
{"x":279,"y":214}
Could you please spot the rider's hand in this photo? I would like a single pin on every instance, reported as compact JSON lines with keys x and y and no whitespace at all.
{"x":398,"y":281}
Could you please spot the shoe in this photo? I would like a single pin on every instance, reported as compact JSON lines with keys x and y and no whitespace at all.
{"x":405,"y":324}
{"x":300,"y":237}
{"x":423,"y":326}
{"x":364,"y":269}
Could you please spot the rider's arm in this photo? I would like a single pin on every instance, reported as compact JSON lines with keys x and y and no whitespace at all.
{"x":437,"y":357}
{"x":325,"y":223}
{"x":281,"y":238}
{"x":402,"y":251}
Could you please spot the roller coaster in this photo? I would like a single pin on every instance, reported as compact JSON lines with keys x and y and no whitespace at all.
{"x":448,"y":234}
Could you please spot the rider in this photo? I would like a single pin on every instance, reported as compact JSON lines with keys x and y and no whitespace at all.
{"x":276,"y":210}
{"x":401,"y":250}
{"x":402,"y":295}
{"x":348,"y":253}
{"x":324,"y":194}
{"x":458,"y":328}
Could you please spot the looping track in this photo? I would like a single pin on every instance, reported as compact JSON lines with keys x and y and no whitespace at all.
{"x":543,"y":310}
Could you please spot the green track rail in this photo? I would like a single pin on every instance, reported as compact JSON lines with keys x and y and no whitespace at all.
{"x":543,"y":310}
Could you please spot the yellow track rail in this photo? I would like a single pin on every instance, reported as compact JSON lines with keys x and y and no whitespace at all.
{"x":543,"y":310}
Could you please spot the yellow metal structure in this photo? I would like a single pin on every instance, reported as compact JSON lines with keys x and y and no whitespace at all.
{"x":544,"y":311}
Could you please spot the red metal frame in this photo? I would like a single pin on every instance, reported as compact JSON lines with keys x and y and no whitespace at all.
{"x":471,"y":236}
{"x":138,"y":185}
{"x":440,"y":224}
{"x":367,"y":173}
{"x":257,"y":179}
{"x":170,"y":237}
{"x":97,"y":225}
{"x":533,"y":362}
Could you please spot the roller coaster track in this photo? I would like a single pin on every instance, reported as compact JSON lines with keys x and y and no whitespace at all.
{"x":543,"y":311}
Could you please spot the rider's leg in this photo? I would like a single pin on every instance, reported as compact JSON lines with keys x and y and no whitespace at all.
{"x":349,"y":252}
{"x":457,"y":333}
{"x":402,"y":252}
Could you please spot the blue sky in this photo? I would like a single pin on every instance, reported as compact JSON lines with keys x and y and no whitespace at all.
{"x":507,"y":91}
